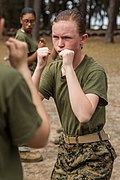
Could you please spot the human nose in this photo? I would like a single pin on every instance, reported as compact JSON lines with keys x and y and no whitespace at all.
{"x":60,"y":43}
{"x":29,"y":23}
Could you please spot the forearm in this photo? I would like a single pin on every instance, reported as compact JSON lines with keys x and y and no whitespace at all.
{"x":80,"y":104}
{"x":36,"y":76}
{"x":35,"y":95}
{"x":42,"y":132}
{"x":32,"y":58}
{"x":42,"y":57}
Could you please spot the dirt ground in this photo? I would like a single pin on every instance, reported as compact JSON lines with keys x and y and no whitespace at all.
{"x":42,"y":170}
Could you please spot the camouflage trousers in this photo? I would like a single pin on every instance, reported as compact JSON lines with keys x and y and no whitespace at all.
{"x":89,"y":161}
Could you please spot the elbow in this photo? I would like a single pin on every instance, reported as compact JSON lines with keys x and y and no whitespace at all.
{"x":83,"y":114}
{"x":40,"y":139}
{"x":43,"y":134}
{"x":43,"y":139}
{"x":39,"y":142}
{"x":84,"y":118}
{"x":43,"y":142}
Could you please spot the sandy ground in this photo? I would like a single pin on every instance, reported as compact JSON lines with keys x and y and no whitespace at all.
{"x":42,"y":170}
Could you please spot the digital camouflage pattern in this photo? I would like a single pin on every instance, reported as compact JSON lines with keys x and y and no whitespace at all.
{"x":90,"y":161}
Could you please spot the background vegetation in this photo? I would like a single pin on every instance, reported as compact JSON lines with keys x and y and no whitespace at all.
{"x":99,"y":14}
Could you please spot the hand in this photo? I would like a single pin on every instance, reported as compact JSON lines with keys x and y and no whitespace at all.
{"x":17,"y":52}
{"x":67,"y":56}
{"x":42,"y":57}
{"x":41,"y":43}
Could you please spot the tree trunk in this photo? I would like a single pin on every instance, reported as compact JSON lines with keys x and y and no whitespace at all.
{"x":27,"y":3}
{"x":90,"y":13}
{"x":83,"y":7}
{"x":112,"y":14}
{"x":37,"y":8}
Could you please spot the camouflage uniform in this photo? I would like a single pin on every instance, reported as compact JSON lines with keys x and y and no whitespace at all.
{"x":84,"y":161}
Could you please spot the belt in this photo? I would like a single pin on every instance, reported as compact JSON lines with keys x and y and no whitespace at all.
{"x":94,"y":137}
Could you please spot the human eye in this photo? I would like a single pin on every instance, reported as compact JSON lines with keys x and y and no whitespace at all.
{"x":55,"y":37}
{"x":67,"y":37}
{"x":32,"y":21}
{"x":26,"y":21}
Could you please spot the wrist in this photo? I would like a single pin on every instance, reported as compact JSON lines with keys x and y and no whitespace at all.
{"x":41,"y":65}
{"x":67,"y":67}
{"x":24,"y":70}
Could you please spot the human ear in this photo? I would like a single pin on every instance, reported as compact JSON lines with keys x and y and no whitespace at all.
{"x":84,"y":37}
{"x":20,"y":20}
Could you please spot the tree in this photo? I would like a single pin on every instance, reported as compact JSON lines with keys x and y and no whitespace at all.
{"x":27,"y":3}
{"x":37,"y":8}
{"x":83,"y":7}
{"x":112,"y":15}
{"x":45,"y":12}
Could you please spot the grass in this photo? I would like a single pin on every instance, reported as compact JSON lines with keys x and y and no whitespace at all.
{"x":106,"y":54}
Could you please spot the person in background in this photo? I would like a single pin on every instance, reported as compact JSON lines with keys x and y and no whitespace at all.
{"x":78,"y":85}
{"x":23,"y":118}
{"x":27,"y":20}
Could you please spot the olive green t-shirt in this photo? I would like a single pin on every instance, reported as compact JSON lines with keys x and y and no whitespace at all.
{"x":92,"y":79}
{"x":18,"y":121}
{"x":32,"y":45}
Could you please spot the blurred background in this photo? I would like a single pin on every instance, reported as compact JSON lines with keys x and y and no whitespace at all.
{"x":102,"y":16}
